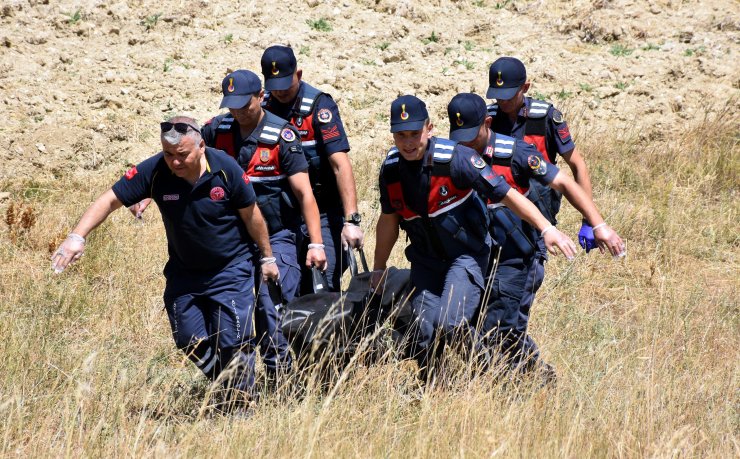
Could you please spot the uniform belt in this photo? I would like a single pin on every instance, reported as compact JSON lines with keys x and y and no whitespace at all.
{"x":496,"y":205}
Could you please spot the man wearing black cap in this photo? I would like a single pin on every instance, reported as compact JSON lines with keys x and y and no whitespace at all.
{"x":316,"y":117}
{"x":268,"y":149}
{"x":208,"y":209}
{"x":520,"y":268}
{"x":539,"y":123}
{"x":430,"y":188}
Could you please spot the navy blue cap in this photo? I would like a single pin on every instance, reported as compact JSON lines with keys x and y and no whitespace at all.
{"x":408,"y":113}
{"x":466,"y":112}
{"x":238,"y":88}
{"x":278,"y":67}
{"x":505,"y":77}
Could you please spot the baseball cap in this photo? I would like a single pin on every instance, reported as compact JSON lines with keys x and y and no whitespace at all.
{"x":238,"y":88}
{"x":278,"y":67}
{"x":466,"y":112}
{"x":505,"y":77}
{"x":408,"y":113}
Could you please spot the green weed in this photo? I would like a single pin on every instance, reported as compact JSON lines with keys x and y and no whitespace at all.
{"x":620,"y":50}
{"x":321,"y":24}
{"x":433,"y":38}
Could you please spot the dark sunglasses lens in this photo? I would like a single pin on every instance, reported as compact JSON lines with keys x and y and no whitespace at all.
{"x":165,"y":126}
{"x":182,"y":128}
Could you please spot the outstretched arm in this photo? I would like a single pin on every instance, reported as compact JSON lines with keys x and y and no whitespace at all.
{"x":74,"y":246}
{"x":527,"y":211}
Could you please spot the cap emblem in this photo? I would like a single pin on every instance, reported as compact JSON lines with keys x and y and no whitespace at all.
{"x":275,"y":70}
{"x":404,"y":114}
{"x":459,"y":121}
{"x":499,"y":81}
{"x":231,"y":85}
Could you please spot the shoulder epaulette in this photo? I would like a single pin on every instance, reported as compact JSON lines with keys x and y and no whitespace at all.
{"x":272,"y":127}
{"x":503,"y":146}
{"x":492,"y":109}
{"x":443,"y":149}
{"x":224,"y":125}
{"x":308,"y":98}
{"x":538,"y":108}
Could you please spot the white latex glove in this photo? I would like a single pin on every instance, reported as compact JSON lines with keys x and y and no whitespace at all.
{"x":68,"y":252}
{"x":352,"y":236}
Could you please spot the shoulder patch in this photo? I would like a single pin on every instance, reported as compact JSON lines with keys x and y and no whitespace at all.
{"x":557,"y":116}
{"x":131,"y":172}
{"x":538,"y":166}
{"x":477,"y":161}
{"x":288,"y":135}
{"x":324,"y":115}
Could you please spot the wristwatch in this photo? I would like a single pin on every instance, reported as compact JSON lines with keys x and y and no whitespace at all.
{"x":355,"y":218}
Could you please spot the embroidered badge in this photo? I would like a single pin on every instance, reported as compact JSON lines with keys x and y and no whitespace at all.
{"x":404,"y":113}
{"x":170,"y":197}
{"x":287,"y":135}
{"x":459,"y":120}
{"x":478,"y":162}
{"x":298,"y":121}
{"x":131,"y":172}
{"x":275,"y":70}
{"x":324,"y":115}
{"x":489,"y":151}
{"x":264,"y":155}
{"x":564,"y":133}
{"x":557,"y":116}
{"x":443,"y":190}
{"x":499,"y":81}
{"x":217,"y":193}
{"x":231,"y":85}
{"x":330,"y":133}
{"x":538,"y":166}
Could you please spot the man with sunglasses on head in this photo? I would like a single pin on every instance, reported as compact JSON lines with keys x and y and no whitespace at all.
{"x":520,"y":250}
{"x":210,"y":217}
{"x":269,"y":150}
{"x":316,"y":117}
{"x":539,"y":123}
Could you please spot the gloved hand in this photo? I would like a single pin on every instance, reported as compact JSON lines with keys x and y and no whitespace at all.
{"x":68,"y":252}
{"x":269,"y":269}
{"x":316,"y":256}
{"x":586,"y":237}
{"x":138,"y":209}
{"x":352,"y":236}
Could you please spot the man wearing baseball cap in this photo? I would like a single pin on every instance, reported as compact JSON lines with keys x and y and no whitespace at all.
{"x":269,"y":151}
{"x":316,"y":117}
{"x":521,"y":251}
{"x":431,"y":188}
{"x":539,"y":123}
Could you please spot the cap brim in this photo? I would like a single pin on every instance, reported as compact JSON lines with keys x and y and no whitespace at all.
{"x":408,"y":126}
{"x":278,"y":84}
{"x":235,"y":101}
{"x":501,"y":93}
{"x":464,"y":135}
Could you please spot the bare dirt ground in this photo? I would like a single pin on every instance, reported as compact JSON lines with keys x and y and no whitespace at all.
{"x":83,"y":84}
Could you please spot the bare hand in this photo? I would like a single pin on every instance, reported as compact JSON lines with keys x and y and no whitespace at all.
{"x":608,"y":239}
{"x":352,"y":236}
{"x":377,"y":278}
{"x":138,"y":209}
{"x":68,"y":252}
{"x":555,"y":239}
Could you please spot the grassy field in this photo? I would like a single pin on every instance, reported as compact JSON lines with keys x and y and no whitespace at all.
{"x":646,"y":349}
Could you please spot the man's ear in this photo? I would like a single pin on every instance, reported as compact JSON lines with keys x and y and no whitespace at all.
{"x":525,"y":87}
{"x":299,"y":74}
{"x":488,"y":121}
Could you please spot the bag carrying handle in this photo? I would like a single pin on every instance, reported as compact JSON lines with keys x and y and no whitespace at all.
{"x":353,"y":270}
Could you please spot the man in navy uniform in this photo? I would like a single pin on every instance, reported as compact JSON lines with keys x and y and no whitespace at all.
{"x":539,"y":123}
{"x":268,"y":149}
{"x":520,"y":268}
{"x":430,"y":188}
{"x":316,"y":117}
{"x":210,"y":218}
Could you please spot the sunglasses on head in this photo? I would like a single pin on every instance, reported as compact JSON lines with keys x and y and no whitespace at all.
{"x":182,"y":128}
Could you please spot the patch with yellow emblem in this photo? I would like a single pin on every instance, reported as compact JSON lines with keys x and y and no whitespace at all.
{"x":538,"y":166}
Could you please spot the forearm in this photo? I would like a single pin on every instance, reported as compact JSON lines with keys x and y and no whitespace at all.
{"x":257,"y":228}
{"x":97,"y":213}
{"x":580,"y":172}
{"x":345,"y":181}
{"x":578,"y":198}
{"x":310,"y":212}
{"x":524,"y":208}
{"x":386,"y":234}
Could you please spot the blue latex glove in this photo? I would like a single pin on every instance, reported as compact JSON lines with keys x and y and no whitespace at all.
{"x":586,"y":237}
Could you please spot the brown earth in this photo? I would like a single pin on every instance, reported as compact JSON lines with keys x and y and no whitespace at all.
{"x":83,"y":84}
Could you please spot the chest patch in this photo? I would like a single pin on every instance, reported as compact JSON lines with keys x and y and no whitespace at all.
{"x":170,"y":197}
{"x":217,"y":193}
{"x":264,"y":155}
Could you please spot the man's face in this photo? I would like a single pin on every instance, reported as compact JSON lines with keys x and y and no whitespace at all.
{"x":480,"y":141}
{"x":285,"y":96}
{"x":183,"y":159}
{"x":513,"y":105}
{"x":249,"y":114}
{"x":412,"y":144}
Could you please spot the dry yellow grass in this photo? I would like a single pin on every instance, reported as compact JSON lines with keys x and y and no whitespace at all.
{"x":646,"y":349}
